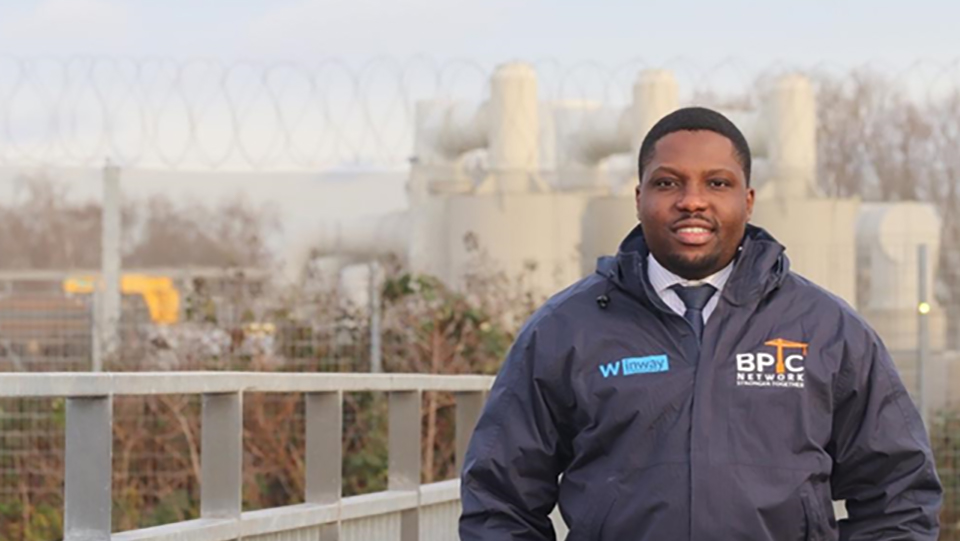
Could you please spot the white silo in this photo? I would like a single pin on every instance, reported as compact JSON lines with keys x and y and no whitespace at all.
{"x":513,"y":220}
{"x":791,"y":113}
{"x":513,"y":130}
{"x":655,"y":95}
{"x":819,"y":233}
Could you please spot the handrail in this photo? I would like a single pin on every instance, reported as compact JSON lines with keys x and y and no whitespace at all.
{"x":85,"y":384}
{"x":88,"y":466}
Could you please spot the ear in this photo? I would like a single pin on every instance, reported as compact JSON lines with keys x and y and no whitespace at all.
{"x":751,"y":194}
{"x":637,"y":197}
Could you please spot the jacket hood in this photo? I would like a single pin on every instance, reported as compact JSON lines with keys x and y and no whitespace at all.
{"x":759,"y":269}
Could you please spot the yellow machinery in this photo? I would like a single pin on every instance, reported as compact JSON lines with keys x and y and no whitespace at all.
{"x":158,"y":292}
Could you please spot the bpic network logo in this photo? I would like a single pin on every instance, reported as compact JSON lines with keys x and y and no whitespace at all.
{"x":785,"y":368}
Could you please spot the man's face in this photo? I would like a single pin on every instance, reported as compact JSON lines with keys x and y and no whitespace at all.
{"x":693,"y":203}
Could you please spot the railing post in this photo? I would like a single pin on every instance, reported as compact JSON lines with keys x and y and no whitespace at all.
{"x":469,"y":406}
{"x":404,"y":474}
{"x":221,"y":458}
{"x":325,"y":453}
{"x":87,"y":490}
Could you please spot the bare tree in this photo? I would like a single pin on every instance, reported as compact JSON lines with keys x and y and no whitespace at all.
{"x":41,"y":228}
{"x":945,"y":193}
{"x":45,"y":228}
{"x":234,"y":233}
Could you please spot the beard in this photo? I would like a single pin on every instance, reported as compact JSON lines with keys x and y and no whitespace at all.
{"x":693,"y":267}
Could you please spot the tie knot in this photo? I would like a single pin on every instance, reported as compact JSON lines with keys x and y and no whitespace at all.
{"x":695,"y":297}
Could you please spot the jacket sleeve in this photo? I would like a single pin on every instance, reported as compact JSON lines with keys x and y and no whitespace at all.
{"x":883,"y":464}
{"x":509,"y":481}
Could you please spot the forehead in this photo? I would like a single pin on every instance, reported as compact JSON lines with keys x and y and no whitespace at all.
{"x":701,"y":149}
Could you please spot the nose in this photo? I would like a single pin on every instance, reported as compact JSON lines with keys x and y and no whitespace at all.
{"x":692,"y":199}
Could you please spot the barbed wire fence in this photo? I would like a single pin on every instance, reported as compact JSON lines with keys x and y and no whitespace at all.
{"x":213,"y":116}
{"x":885,"y":133}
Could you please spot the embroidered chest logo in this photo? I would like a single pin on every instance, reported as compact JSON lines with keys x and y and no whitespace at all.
{"x":781,"y":367}
{"x":630,"y":366}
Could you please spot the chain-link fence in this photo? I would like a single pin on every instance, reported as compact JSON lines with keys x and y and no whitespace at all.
{"x":225,"y":320}
{"x":235,"y":320}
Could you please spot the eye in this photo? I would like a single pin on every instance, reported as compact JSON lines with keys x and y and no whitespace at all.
{"x":719,"y":183}
{"x":664,"y":182}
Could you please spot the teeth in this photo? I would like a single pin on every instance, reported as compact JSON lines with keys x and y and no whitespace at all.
{"x":694,"y":230}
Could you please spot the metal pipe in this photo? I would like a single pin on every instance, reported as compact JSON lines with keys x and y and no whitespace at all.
{"x":923,"y":331}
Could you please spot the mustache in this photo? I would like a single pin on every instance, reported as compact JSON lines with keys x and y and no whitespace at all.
{"x":699,"y":217}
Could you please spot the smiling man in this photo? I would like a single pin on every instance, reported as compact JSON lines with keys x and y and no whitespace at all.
{"x":696,"y":388}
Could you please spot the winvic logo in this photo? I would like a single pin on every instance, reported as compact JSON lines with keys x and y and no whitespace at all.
{"x":784,"y":368}
{"x":630,"y":366}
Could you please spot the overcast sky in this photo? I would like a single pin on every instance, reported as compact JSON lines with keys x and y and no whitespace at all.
{"x":756,"y":33}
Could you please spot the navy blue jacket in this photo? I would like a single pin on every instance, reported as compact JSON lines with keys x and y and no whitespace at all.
{"x":607,"y":406}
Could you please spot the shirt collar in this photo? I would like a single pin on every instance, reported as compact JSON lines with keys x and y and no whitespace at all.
{"x":662,"y":280}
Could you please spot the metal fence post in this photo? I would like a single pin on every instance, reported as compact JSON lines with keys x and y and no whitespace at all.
{"x":469,"y":406}
{"x":404,"y":448}
{"x":376,"y":350}
{"x":221,"y":455}
{"x":87,"y":490}
{"x":923,"y":331}
{"x":325,"y":453}
{"x":107,"y":312}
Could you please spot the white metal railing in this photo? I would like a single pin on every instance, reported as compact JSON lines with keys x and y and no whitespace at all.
{"x":406,"y":511}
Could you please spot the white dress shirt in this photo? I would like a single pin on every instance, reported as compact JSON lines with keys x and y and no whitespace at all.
{"x":662,"y":280}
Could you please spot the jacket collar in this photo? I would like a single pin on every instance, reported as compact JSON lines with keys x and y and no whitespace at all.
{"x":760,"y":268}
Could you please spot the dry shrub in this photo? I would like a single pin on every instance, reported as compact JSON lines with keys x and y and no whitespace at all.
{"x":426,"y":327}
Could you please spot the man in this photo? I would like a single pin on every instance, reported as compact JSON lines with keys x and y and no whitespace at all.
{"x":695,"y":388}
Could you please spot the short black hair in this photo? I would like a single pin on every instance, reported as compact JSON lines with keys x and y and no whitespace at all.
{"x":695,"y":119}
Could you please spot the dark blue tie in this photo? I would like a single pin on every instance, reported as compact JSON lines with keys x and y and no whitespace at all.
{"x":695,"y":298}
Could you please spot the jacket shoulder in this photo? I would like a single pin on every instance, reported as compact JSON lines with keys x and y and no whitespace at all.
{"x":571,"y":301}
{"x":831,"y":307}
